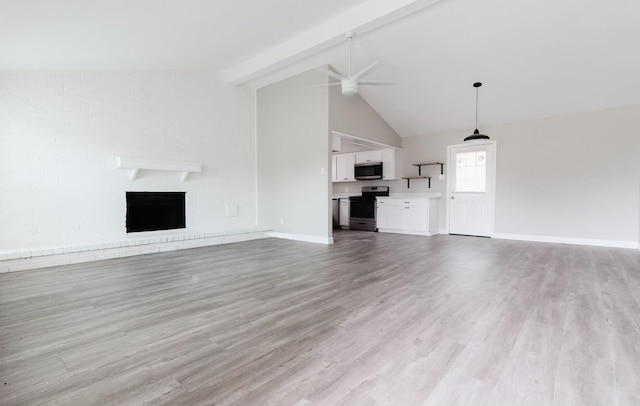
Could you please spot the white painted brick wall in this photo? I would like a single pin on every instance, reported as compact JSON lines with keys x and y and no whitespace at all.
{"x":12,"y":261}
{"x":59,"y":133}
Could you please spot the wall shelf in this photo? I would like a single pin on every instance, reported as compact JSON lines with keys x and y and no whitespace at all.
{"x":417,"y":177}
{"x":430,"y":163}
{"x":420,"y":176}
{"x":136,"y":164}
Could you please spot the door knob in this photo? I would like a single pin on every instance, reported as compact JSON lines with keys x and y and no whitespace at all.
{"x":453,"y":197}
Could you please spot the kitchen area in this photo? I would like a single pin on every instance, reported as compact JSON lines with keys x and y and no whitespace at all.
{"x":369,"y":192}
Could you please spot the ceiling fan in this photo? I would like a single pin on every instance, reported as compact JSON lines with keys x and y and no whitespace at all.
{"x":350,"y":83}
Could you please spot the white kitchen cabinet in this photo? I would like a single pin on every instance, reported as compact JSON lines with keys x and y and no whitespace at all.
{"x":389,"y":164}
{"x":407,"y":215}
{"x":364,"y":157}
{"x":334,"y":168}
{"x":382,"y":214}
{"x":342,"y":166}
{"x":344,"y":213}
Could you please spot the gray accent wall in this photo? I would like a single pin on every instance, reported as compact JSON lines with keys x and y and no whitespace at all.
{"x":293,"y":157}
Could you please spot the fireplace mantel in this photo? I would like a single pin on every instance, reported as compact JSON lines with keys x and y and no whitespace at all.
{"x":135,"y":164}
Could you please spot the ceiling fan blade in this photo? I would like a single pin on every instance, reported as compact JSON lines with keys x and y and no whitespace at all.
{"x":376,"y":83}
{"x":324,"y":85}
{"x":330,"y":73}
{"x":365,"y":70}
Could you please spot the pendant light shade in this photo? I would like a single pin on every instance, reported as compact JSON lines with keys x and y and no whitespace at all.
{"x":476,"y":134}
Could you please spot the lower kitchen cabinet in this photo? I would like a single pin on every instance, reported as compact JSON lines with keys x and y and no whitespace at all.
{"x":344,"y":213}
{"x":407,"y":215}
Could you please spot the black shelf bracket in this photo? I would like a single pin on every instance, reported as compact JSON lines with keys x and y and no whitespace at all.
{"x":430,"y":163}
{"x":420,"y":173}
{"x":428,"y":178}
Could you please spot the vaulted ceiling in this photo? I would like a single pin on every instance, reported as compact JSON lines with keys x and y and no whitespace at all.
{"x":536,"y":58}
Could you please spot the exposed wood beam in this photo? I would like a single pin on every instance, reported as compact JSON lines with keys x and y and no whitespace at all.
{"x":365,"y":17}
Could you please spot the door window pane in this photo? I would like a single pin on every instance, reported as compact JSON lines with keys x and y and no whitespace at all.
{"x":471,"y":172}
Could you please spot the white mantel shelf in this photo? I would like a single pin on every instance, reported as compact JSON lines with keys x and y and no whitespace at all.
{"x":135,"y":164}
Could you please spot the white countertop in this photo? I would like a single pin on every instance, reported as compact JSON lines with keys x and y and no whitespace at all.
{"x":344,"y":195}
{"x":429,"y":195}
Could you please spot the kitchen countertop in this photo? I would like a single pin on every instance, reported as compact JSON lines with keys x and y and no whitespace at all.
{"x":429,"y":195}
{"x":344,"y":195}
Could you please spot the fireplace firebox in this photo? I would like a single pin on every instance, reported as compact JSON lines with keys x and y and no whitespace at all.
{"x":152,"y":211}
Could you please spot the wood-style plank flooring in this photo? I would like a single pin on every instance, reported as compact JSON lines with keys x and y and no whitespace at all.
{"x":375,"y":319}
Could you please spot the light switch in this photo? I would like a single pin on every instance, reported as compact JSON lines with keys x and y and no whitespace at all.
{"x":232,"y":210}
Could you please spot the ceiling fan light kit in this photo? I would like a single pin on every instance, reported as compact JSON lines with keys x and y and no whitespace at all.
{"x":476,"y":136}
{"x":350,"y":83}
{"x":349,"y":87}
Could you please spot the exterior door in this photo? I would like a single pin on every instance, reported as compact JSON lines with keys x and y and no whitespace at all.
{"x":471,"y":188}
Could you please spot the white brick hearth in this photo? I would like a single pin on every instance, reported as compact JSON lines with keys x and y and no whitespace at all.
{"x":18,"y":260}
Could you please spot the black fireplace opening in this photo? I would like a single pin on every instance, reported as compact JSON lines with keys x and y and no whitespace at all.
{"x":152,"y":211}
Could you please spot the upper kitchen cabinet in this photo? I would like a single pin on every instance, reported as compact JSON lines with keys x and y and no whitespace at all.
{"x":343,"y":164}
{"x":364,"y":157}
{"x":389,"y":161}
{"x":343,"y":167}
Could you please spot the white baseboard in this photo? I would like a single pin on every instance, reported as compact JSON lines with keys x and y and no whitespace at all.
{"x":19,"y":260}
{"x":302,"y":237}
{"x":395,"y":231}
{"x":568,"y":240}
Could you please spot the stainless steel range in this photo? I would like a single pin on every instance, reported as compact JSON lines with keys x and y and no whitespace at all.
{"x":362,"y":209}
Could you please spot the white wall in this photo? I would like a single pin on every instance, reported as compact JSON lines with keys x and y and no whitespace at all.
{"x":354,"y":116}
{"x":294,"y":164}
{"x":574,"y":177}
{"x":59,"y":133}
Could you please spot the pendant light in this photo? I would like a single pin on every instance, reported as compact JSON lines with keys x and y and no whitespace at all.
{"x":476,"y":134}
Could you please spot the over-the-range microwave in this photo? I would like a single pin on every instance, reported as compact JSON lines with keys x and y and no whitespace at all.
{"x":368,"y":170}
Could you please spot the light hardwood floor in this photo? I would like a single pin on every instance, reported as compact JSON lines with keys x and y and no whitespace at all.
{"x":375,"y":319}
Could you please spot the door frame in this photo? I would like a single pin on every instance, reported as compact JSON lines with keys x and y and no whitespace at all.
{"x":490,"y":172}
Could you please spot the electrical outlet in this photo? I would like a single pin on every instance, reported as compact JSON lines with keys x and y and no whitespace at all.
{"x":281,"y":220}
{"x":321,"y":171}
{"x":346,"y":190}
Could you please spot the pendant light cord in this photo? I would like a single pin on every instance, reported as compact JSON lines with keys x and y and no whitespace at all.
{"x":349,"y":61}
{"x":476,"y":108}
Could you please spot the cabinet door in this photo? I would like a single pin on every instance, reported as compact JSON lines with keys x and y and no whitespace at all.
{"x":382,"y":214}
{"x":396,"y":215}
{"x":334,"y":168}
{"x":417,"y":216}
{"x":344,"y":168}
{"x":368,"y":156}
{"x":375,"y":156}
{"x":344,"y":212}
{"x":388,"y":159}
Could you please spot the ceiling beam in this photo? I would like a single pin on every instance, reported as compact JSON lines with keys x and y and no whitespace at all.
{"x":365,"y":17}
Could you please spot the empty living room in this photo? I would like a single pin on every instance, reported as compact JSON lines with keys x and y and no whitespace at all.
{"x":354,"y":202}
